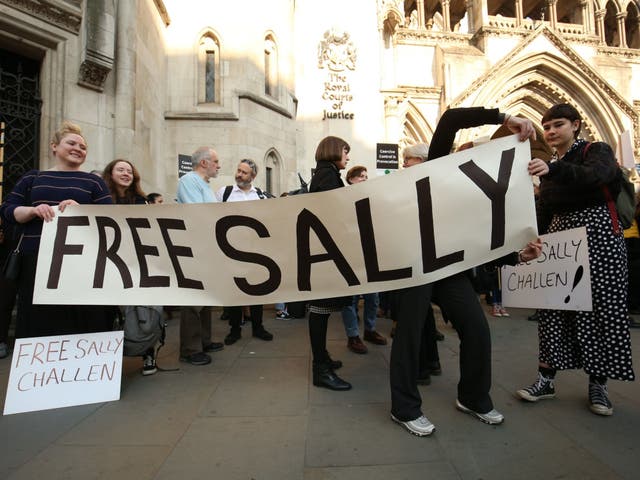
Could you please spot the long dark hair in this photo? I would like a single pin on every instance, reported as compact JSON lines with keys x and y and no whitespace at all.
{"x":132,"y":190}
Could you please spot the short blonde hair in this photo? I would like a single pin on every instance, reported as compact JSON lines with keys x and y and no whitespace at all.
{"x":66,"y":128}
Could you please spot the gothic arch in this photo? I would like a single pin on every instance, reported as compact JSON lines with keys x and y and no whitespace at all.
{"x":416,"y":129}
{"x":536,"y":82}
{"x":273,"y":168}
{"x":207,"y":55}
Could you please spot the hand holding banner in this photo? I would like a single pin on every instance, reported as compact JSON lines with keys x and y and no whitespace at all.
{"x":559,"y":279}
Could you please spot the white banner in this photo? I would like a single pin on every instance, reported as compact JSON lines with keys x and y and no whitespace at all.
{"x":66,"y":370}
{"x":559,"y":279}
{"x":415,"y":226}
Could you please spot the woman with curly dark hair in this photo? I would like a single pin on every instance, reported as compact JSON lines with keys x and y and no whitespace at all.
{"x":123,"y":180}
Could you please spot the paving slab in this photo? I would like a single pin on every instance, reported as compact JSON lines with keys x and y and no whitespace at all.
{"x":239,"y":448}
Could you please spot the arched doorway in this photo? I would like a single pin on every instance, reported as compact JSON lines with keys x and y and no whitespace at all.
{"x":20,"y":106}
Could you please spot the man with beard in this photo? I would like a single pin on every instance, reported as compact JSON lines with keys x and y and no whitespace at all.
{"x":242,"y":191}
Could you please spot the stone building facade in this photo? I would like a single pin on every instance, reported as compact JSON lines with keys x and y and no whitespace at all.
{"x":149,"y":80}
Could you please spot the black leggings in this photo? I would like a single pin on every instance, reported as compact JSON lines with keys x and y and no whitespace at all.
{"x":318,"y":336}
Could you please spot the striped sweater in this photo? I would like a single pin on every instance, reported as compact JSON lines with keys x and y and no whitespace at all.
{"x":51,"y":187}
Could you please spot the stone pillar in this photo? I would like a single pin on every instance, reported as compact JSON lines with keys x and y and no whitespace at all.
{"x":519,"y":13}
{"x":553,"y":13}
{"x":446,"y":15}
{"x":125,"y":79}
{"x":480,"y":14}
{"x":98,"y":54}
{"x":587,"y":26}
{"x":421,"y":19}
{"x":622,"y":33}
{"x":394,"y":118}
{"x":600,"y":24}
{"x":469,"y":7}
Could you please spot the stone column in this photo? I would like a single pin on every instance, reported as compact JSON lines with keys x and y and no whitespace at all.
{"x":394,"y":117}
{"x":469,"y":6}
{"x":587,"y":26}
{"x":125,"y":79}
{"x":622,"y":33}
{"x":600,"y":24}
{"x":519,"y":13}
{"x":553,"y":13}
{"x":446,"y":15}
{"x":421,"y":19}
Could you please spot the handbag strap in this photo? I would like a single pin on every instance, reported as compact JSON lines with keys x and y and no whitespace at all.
{"x":611,"y":205}
{"x":613,"y":213}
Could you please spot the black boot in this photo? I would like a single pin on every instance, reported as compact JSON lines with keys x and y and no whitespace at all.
{"x":324,"y":376}
{"x":334,"y":364}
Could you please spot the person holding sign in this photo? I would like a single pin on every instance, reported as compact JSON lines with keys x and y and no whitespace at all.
{"x":456,"y":297}
{"x":576,"y":190}
{"x":332,"y":155}
{"x":38,"y":197}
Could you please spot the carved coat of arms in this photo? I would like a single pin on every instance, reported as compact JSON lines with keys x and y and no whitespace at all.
{"x":336,"y":51}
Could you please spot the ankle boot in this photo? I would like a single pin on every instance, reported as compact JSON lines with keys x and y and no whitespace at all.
{"x":324,"y":376}
{"x":334,"y":364}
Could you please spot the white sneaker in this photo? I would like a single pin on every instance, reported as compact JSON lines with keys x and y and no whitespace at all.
{"x":493,"y":417}
{"x":420,"y":426}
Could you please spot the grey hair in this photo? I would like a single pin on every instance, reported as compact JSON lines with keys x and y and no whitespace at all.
{"x":252,"y":165}
{"x":419,"y":150}
{"x":202,"y":153}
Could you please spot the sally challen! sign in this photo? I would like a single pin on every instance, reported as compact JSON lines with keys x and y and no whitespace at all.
{"x":559,"y":279}
{"x":61,"y":371}
{"x":412,"y":227}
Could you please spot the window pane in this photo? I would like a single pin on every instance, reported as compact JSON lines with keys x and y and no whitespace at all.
{"x":210,"y":77}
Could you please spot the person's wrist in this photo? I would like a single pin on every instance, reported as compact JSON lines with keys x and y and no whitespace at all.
{"x":506,"y":118}
{"x":521,"y":257}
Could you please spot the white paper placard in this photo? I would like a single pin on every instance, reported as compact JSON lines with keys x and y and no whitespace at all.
{"x":559,"y":279}
{"x":66,"y":370}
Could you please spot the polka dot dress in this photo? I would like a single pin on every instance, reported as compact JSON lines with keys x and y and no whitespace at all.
{"x":597,"y":341}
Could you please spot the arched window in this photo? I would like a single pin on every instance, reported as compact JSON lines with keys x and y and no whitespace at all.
{"x":611,"y":36}
{"x":270,"y":67}
{"x":272,"y":169}
{"x":631,"y":26}
{"x":208,"y":69}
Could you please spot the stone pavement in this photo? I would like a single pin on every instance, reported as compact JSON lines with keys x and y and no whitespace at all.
{"x":253,"y":414}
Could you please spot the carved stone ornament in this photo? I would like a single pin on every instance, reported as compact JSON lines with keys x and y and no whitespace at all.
{"x":66,"y":15}
{"x":336,"y":51}
{"x":92,"y":75}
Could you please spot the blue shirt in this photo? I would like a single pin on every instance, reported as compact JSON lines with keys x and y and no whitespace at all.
{"x":193,"y":189}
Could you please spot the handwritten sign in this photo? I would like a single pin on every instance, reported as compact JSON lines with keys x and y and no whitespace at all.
{"x":61,"y":371}
{"x":559,"y":279}
{"x":404,"y":229}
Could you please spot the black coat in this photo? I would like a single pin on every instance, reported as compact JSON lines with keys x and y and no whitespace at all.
{"x":327,"y":177}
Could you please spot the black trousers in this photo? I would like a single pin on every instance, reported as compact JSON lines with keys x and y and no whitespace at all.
{"x":458,"y":300}
{"x":235,"y":317}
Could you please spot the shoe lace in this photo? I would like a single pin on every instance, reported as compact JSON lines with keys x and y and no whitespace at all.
{"x":541,"y":383}
{"x":598,"y":394}
{"x":423,"y":421}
